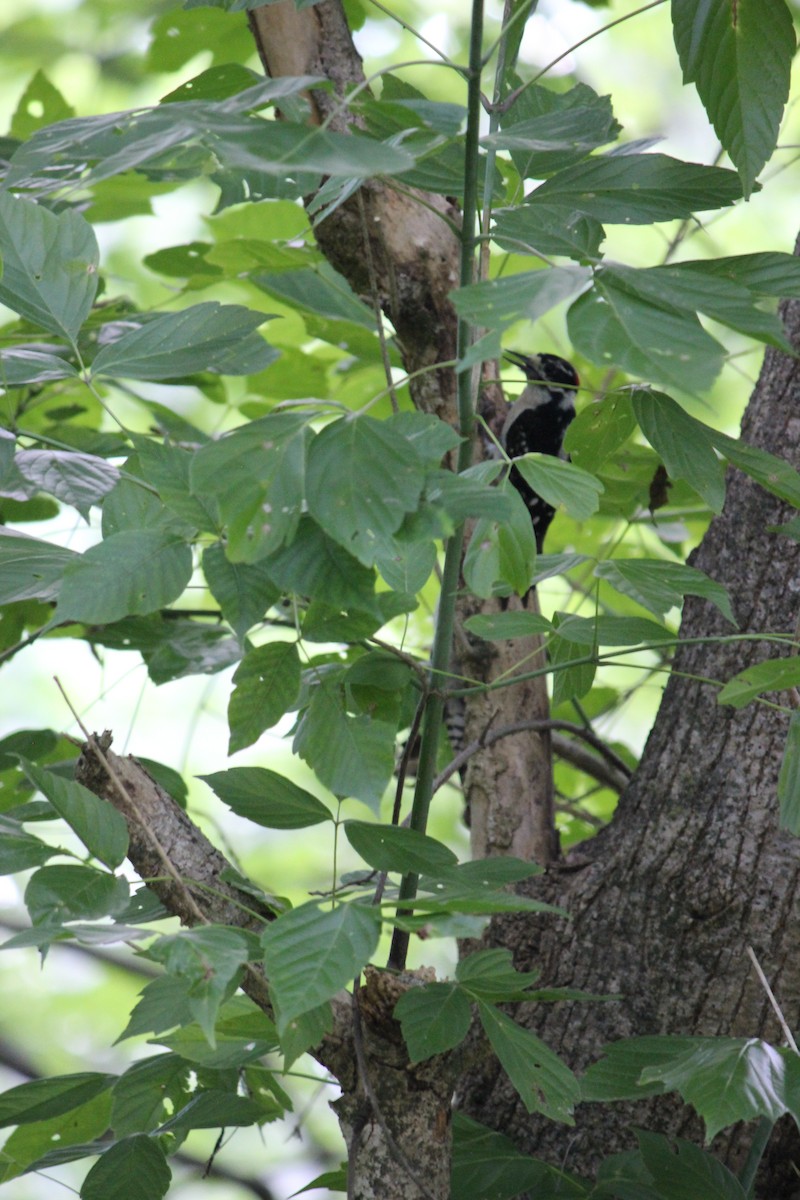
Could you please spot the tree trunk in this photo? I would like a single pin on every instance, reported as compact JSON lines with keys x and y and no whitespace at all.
{"x":693,"y":868}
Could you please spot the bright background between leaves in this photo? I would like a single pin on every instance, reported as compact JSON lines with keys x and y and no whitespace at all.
{"x":101,"y":58}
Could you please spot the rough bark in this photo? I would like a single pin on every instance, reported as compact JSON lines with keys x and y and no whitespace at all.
{"x":693,"y":868}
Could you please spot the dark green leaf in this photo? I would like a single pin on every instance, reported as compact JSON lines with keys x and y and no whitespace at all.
{"x":689,"y":1170}
{"x":44,"y":1098}
{"x":789,"y":778}
{"x":49,"y":265}
{"x":544,"y":1083}
{"x":611,"y":631}
{"x":266,"y":685}
{"x":20,"y":850}
{"x":147,"y":1091}
{"x":434,"y":1018}
{"x":775,"y":474}
{"x":40,"y":104}
{"x":559,"y":482}
{"x":487,"y":1166}
{"x":136,"y":571}
{"x":723,"y":50}
{"x":393,"y":848}
{"x":617,"y":324}
{"x":573,"y":676}
{"x":659,"y":586}
{"x":100,"y":827}
{"x":351,"y":755}
{"x":500,"y":626}
{"x":133,"y":1169}
{"x":490,"y":975}
{"x":360,"y":512}
{"x":77,"y":479}
{"x":19,"y":365}
{"x":267,"y":798}
{"x":207,"y":337}
{"x":774,"y":675}
{"x":67,"y":892}
{"x":548,"y":229}
{"x":213,"y":1110}
{"x":30,"y":569}
{"x":316,"y":565}
{"x":29,"y":1144}
{"x":637,"y":189}
{"x":496,"y":303}
{"x":309,"y":954}
{"x":244,"y":592}
{"x":208,"y":959}
{"x":726,"y":1080}
{"x":683,"y":444}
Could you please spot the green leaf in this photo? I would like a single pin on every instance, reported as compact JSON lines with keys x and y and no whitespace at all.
{"x":687,"y":1171}
{"x":618,"y":1075}
{"x":487,"y":1166}
{"x":133,"y":1169}
{"x":77,"y":479}
{"x":500,"y":626}
{"x":45,"y":1098}
{"x":789,"y":778}
{"x":600,"y":429}
{"x":30,"y":569}
{"x":67,"y":892}
{"x":147,"y":1091}
{"x":501,"y":557}
{"x":571,"y":679}
{"x":617,"y":323}
{"x":30,"y":1143}
{"x":490,"y":975}
{"x":50,"y":265}
{"x":659,"y":586}
{"x":352,"y":756}
{"x":726,"y":1080}
{"x":20,"y":850}
{"x":774,"y":675}
{"x":544,"y":1083}
{"x":358,"y":510}
{"x":207,"y":337}
{"x":19,"y":365}
{"x":267,"y":798}
{"x":434,"y":1018}
{"x":266,"y":685}
{"x":40,"y":104}
{"x":309,"y":954}
{"x":638,"y":189}
{"x":548,"y":132}
{"x":611,"y":631}
{"x":548,"y":229}
{"x":682,"y":443}
{"x":208,"y":959}
{"x":304,"y":1031}
{"x":723,"y":49}
{"x":496,"y":303}
{"x":244,"y":592}
{"x":136,"y":571}
{"x":559,"y":482}
{"x":213,"y":1109}
{"x":316,"y":565}
{"x":100,"y":827}
{"x":393,"y":848}
{"x":773,"y":473}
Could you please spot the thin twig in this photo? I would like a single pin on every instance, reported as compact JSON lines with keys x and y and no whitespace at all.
{"x":543,"y":725}
{"x":787,"y":1033}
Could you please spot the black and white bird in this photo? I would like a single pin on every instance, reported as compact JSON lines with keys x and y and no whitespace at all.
{"x":537,"y":422}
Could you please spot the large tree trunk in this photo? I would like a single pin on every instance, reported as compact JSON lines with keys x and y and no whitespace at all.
{"x":693,"y":868}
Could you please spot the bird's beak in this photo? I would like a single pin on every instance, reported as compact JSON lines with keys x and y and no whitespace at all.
{"x":522,"y":360}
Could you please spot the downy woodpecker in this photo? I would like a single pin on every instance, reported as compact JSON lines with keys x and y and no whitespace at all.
{"x":537,"y":422}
